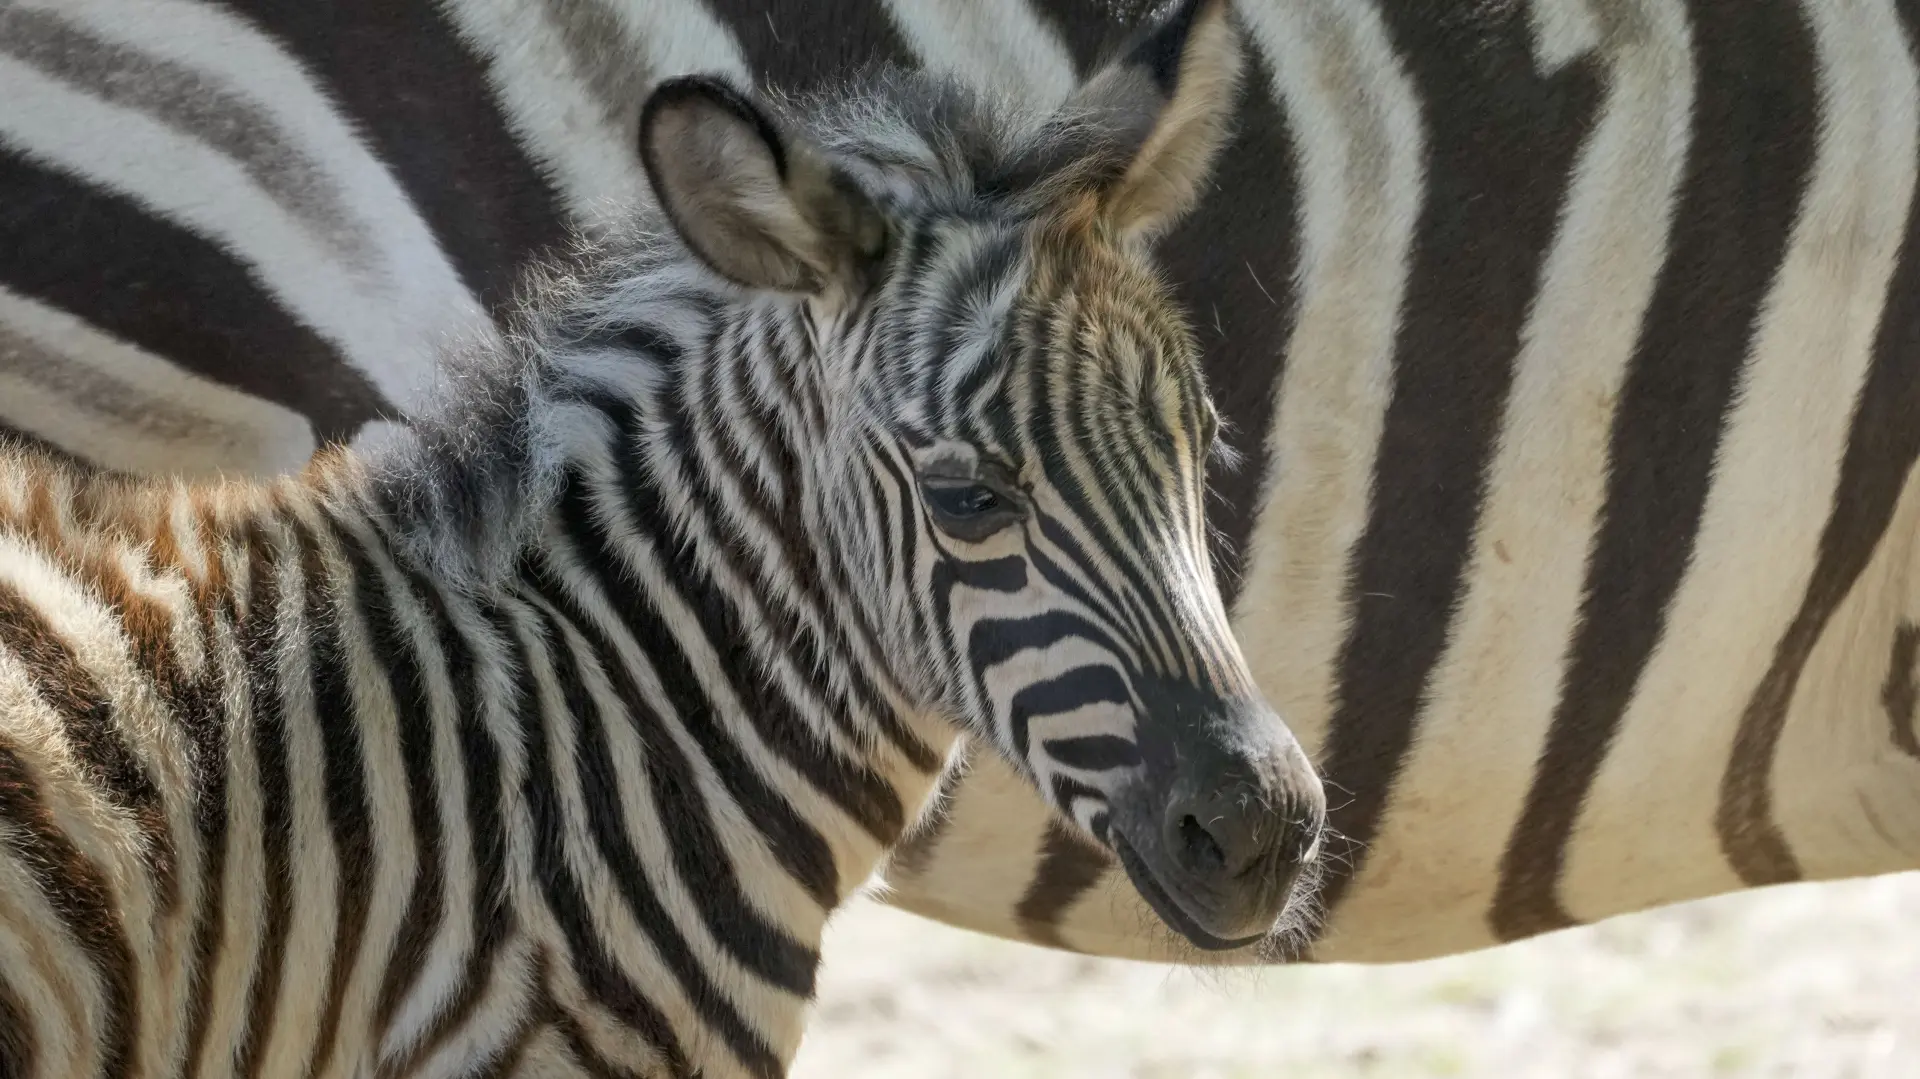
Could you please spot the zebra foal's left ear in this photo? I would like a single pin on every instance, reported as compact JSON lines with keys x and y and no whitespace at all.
{"x":761,"y":207}
{"x":1165,"y":109}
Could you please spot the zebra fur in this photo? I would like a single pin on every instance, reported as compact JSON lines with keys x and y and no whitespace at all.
{"x":545,"y":740}
{"x":1362,"y":278}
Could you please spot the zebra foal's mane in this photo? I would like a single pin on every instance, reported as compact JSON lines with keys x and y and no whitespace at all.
{"x":471,"y":476}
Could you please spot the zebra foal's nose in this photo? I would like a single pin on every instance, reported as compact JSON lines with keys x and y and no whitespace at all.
{"x":1227,"y":831}
{"x":1224,"y":818}
{"x":1236,"y":811}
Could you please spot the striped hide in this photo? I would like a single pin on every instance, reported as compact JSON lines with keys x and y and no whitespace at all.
{"x":1569,"y":345}
{"x":544,"y":740}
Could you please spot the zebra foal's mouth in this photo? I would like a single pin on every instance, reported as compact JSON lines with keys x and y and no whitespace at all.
{"x":1171,"y":910}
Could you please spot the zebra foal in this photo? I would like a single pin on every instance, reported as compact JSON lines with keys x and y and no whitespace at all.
{"x":546,"y":741}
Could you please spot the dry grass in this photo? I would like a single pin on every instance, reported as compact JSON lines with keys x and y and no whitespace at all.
{"x":1811,"y":981}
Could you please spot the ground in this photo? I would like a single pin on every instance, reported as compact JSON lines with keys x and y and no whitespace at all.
{"x":1808,"y":981}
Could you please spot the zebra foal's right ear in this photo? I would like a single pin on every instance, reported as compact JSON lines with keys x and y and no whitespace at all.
{"x":759,"y":206}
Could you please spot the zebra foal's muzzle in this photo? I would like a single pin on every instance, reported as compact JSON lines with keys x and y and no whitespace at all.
{"x":1222,"y":819}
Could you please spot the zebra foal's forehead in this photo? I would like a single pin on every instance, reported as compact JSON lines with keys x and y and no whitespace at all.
{"x":1010,"y":283}
{"x":929,"y":142}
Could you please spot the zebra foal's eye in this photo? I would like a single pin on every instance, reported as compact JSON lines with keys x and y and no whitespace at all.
{"x":963,"y":501}
{"x":969,"y":510}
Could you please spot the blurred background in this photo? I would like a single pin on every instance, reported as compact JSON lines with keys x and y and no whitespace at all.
{"x":1809,"y":981}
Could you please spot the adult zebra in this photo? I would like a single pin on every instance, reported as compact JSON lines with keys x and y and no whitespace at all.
{"x":1574,"y":344}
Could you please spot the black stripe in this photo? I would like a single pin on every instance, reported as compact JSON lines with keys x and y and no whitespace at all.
{"x":1899,"y":695}
{"x":486,"y":794}
{"x":80,"y":893}
{"x":1751,"y":149}
{"x":599,"y":973}
{"x":1067,"y":790}
{"x":1117,"y":480}
{"x":906,"y":537}
{"x":397,"y":653}
{"x":18,"y":1052}
{"x":1882,"y":446}
{"x":1004,"y":257}
{"x":1063,"y":693}
{"x":420,"y":96}
{"x":1125,"y":594}
{"x":344,"y":784}
{"x":1008,"y":574}
{"x":1232,"y":265}
{"x":196,"y":105}
{"x":105,"y":258}
{"x":1094,"y":31}
{"x":1500,"y":147}
{"x":794,"y":571}
{"x":794,"y":843}
{"x":87,"y":718}
{"x":860,"y":792}
{"x":260,"y":643}
{"x":993,"y":641}
{"x":803,"y":47}
{"x":1069,"y":866}
{"x":1093,"y":752}
{"x":1056,"y":574}
{"x":698,"y":849}
{"x":201,"y":712}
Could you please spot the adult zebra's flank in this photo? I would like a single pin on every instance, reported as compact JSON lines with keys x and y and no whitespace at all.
{"x":1571,"y":345}
{"x":544,"y":741}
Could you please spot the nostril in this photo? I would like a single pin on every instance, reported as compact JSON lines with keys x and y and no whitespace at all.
{"x":1202,"y":849}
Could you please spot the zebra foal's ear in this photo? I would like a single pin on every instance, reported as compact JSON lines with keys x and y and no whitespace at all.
{"x":1164,"y":110}
{"x":760,"y":207}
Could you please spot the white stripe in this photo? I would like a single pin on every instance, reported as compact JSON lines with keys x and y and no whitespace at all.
{"x":178,"y":178}
{"x":1563,"y":31}
{"x":312,"y":861}
{"x":1493,"y":693}
{"x":629,"y":944}
{"x":234,"y":961}
{"x":1655,"y":799}
{"x":1846,"y":800}
{"x":680,"y":37}
{"x":395,"y":859}
{"x":553,"y":110}
{"x":454,"y":935}
{"x":996,"y":46}
{"x":47,"y":973}
{"x":1358,"y":139}
{"x":387,"y":319}
{"x":229,"y":429}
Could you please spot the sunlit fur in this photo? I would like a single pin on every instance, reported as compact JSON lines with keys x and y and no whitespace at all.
{"x":548,"y":739}
{"x":1369,"y":199}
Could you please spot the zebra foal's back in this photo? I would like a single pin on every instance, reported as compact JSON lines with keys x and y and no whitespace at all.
{"x":139,"y":625}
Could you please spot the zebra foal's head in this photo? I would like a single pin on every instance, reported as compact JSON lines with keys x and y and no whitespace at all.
{"x":1005,"y":432}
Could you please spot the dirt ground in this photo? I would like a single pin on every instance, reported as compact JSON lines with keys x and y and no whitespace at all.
{"x":1809,"y":981}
